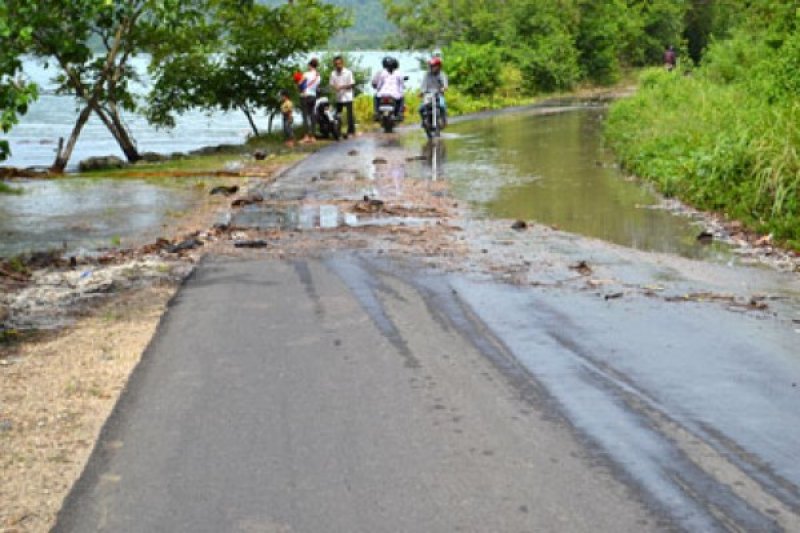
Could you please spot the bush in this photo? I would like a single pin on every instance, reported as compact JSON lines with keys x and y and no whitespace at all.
{"x":715,"y":141}
{"x":473,"y":68}
{"x":550,"y":65}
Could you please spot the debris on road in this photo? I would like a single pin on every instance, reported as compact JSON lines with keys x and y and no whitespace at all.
{"x":251,"y":243}
{"x":582,"y":268}
{"x":519,"y":225}
{"x":225,"y":190}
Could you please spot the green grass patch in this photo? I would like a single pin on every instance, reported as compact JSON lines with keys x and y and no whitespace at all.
{"x":5,"y":188}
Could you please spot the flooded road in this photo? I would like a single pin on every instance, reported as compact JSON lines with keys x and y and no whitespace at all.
{"x":402,"y":362}
{"x":83,"y":215}
{"x":553,"y":169}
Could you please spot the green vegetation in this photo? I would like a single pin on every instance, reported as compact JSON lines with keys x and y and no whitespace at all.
{"x":208,"y":54}
{"x":726,"y":137}
{"x":202,"y":165}
{"x":369,"y":29}
{"x":8,"y":189}
{"x":239,"y":60}
{"x":15,"y":94}
{"x":552,"y":44}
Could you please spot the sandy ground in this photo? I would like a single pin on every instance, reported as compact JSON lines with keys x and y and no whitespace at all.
{"x":55,"y":394}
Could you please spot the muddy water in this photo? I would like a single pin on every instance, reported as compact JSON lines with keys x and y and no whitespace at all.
{"x":553,"y":169}
{"x":87,"y":214}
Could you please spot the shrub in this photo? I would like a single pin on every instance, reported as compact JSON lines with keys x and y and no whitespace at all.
{"x":474,"y":68}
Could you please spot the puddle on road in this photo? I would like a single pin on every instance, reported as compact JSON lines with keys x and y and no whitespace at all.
{"x":308,"y":217}
{"x":553,"y":169}
{"x":88,"y":214}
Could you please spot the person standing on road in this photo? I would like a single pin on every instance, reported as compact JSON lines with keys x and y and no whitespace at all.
{"x":308,"y":99}
{"x":343,"y":83}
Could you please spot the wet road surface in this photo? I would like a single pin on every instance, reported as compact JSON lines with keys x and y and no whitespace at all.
{"x":327,"y":396}
{"x":356,"y":392}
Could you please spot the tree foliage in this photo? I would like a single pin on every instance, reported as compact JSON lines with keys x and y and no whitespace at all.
{"x":554,"y":43}
{"x":227,"y":54}
{"x":15,"y":93}
{"x":240,"y":60}
{"x":62,"y":34}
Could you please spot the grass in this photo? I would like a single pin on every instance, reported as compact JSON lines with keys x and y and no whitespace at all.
{"x":5,"y":188}
{"x":720,"y":147}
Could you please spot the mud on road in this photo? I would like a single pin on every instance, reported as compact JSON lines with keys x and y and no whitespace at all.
{"x":370,"y":196}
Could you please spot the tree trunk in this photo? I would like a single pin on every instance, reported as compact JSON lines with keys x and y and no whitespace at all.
{"x":62,"y":157}
{"x":114,"y":124}
{"x":249,"y":116}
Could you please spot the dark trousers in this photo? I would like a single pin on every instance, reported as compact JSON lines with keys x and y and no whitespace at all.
{"x":288,"y":131}
{"x":351,"y":121}
{"x":309,"y":118}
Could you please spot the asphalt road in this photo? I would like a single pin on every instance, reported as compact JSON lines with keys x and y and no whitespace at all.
{"x":354,"y":392}
{"x":320,"y":396}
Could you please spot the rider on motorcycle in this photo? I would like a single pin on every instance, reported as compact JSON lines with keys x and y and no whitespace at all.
{"x":376,"y":81}
{"x":435,"y":81}
{"x":393,"y":84}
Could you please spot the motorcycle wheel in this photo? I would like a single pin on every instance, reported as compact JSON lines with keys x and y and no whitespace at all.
{"x":336,"y":130}
{"x":387,"y":123}
{"x":426,"y":125}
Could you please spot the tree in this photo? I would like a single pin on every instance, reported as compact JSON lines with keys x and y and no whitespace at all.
{"x":240,"y":61}
{"x":68,"y":35}
{"x":15,"y":94}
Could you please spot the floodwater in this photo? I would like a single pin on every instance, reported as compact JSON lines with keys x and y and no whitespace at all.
{"x":83,"y":215}
{"x":552,"y":168}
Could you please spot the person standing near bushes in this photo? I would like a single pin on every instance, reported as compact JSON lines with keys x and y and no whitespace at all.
{"x":670,"y":58}
{"x":308,"y":99}
{"x":287,"y":112}
{"x":343,"y":82}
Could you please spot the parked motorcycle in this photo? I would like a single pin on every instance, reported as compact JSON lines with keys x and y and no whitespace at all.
{"x":432,"y":114}
{"x":330,"y":124}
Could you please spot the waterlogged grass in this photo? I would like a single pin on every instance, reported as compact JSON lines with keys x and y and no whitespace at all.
{"x":5,"y":188}
{"x":227,"y":159}
{"x":717,"y":146}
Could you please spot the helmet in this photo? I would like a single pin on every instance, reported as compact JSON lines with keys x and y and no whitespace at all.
{"x":435,"y":62}
{"x":393,"y":63}
{"x":386,"y":61}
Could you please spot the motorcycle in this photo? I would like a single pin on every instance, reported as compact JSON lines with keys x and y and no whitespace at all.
{"x":432,"y":114}
{"x":388,"y":114}
{"x":330,"y":124}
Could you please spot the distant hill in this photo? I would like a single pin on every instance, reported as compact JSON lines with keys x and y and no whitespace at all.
{"x":370,"y":26}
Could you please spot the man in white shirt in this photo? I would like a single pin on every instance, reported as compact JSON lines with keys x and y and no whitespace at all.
{"x":343,"y":82}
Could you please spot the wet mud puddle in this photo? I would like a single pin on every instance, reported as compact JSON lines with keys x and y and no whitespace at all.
{"x":552,"y":168}
{"x":83,"y":215}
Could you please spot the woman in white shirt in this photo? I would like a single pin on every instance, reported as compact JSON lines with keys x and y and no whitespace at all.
{"x":308,"y":99}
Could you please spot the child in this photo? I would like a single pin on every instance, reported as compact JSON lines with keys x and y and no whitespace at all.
{"x":287,"y":111}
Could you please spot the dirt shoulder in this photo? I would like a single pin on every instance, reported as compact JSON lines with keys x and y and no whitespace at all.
{"x":94,"y":319}
{"x":56,"y":393}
